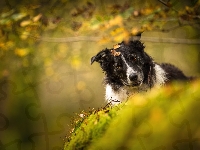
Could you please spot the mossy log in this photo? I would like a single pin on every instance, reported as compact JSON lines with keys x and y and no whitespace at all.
{"x":161,"y":119}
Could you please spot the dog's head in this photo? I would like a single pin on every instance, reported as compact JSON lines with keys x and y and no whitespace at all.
{"x":126,"y":64}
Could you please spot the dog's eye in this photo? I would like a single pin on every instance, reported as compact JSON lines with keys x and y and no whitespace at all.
{"x":133,"y":58}
{"x":118,"y":67}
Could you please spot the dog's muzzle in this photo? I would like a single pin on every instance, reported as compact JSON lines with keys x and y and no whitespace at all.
{"x":134,"y":79}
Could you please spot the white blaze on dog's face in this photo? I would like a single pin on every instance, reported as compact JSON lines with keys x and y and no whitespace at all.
{"x":134,"y":74}
{"x":132,"y":64}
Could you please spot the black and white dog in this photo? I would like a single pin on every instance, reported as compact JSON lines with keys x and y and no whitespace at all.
{"x":128,"y":70}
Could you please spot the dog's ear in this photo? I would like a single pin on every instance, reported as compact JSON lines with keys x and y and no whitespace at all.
{"x":101,"y":56}
{"x":105,"y":59}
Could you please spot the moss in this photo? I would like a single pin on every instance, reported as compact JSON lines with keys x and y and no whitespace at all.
{"x":90,"y":127}
{"x":167,"y":118}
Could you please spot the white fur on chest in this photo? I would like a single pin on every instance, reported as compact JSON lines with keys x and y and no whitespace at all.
{"x":115,"y":96}
{"x":122,"y":94}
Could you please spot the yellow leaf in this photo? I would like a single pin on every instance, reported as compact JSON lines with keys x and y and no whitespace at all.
{"x":115,"y":53}
{"x":21,"y":52}
{"x":119,"y":38}
{"x":116,"y":46}
{"x":25,"y":23}
{"x":24,"y":35}
{"x":36,"y":18}
{"x":134,"y":31}
{"x":117,"y":31}
{"x":126,"y":36}
{"x":118,"y":20}
{"x":123,"y":36}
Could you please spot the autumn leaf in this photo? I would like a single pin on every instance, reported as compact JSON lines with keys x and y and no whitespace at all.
{"x":18,"y":16}
{"x":36,"y":18}
{"x":21,"y":52}
{"x":115,"y":53}
{"x":117,"y":31}
{"x":116,"y":46}
{"x":118,"y":20}
{"x":25,"y":23}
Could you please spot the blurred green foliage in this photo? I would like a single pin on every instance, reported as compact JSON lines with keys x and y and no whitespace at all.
{"x":161,"y":119}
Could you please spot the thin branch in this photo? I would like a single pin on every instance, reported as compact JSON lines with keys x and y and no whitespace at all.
{"x":171,"y":40}
{"x":194,"y":25}
{"x":69,"y":39}
{"x":172,"y":28}
{"x":167,"y":5}
{"x":96,"y":39}
{"x":164,"y":3}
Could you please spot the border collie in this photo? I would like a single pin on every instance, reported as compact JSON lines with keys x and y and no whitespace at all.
{"x":129,"y":69}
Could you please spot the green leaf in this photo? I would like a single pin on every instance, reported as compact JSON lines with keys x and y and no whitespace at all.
{"x":5,"y":21}
{"x":127,"y":13}
{"x":3,"y":15}
{"x":18,"y":16}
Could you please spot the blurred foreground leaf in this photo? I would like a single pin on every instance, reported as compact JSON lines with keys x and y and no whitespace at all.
{"x":166,"y":118}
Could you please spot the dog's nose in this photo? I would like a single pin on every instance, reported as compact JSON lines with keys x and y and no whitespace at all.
{"x":133,"y":77}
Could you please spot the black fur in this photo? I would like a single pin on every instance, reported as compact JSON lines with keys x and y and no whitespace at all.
{"x":173,"y":73}
{"x":112,"y":62}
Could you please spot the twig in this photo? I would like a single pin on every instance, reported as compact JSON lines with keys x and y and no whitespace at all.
{"x":168,"y":5}
{"x":69,"y":39}
{"x":164,"y":3}
{"x":95,"y":39}
{"x":171,"y":40}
